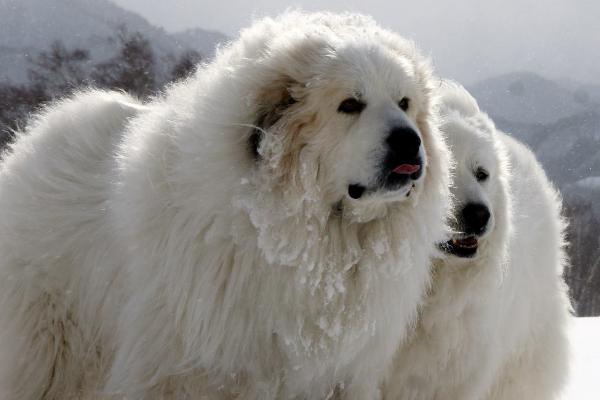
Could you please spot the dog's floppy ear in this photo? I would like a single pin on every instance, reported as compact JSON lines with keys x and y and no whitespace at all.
{"x":273,"y":100}
{"x":289,"y":69}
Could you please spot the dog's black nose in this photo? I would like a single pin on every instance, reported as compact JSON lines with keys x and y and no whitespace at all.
{"x":404,"y":142}
{"x":475,"y":217}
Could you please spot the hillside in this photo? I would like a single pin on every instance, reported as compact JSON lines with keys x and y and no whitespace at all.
{"x":559,"y":123}
{"x":88,"y":24}
{"x":525,"y":97}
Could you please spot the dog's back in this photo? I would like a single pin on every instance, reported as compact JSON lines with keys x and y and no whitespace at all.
{"x":533,"y":315}
{"x":54,"y":196}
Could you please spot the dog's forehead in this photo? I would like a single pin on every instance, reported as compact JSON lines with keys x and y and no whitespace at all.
{"x":471,"y":143}
{"x":372,"y":68}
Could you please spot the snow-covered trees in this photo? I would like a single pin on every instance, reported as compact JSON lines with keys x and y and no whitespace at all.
{"x":57,"y":71}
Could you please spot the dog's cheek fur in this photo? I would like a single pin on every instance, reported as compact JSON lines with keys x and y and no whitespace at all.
{"x":282,"y":148}
{"x":275,"y":100}
{"x":285,"y":119}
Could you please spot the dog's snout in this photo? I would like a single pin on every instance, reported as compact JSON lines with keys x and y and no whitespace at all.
{"x":475,"y":218}
{"x":404,"y":142}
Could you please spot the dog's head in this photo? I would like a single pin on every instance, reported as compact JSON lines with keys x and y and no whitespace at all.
{"x":479,"y":187}
{"x":343,"y":111}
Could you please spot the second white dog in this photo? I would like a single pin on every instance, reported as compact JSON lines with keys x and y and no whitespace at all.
{"x":494,"y":324}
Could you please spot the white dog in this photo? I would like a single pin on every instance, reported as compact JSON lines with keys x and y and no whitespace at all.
{"x":260,"y":232}
{"x":494,"y":324}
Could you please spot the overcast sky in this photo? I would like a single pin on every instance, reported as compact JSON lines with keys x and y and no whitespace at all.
{"x":468,"y":39}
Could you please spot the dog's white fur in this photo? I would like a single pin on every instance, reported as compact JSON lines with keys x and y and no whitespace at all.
{"x":493,"y":326}
{"x":145,"y":253}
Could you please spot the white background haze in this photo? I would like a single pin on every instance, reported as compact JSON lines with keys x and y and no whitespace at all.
{"x":469,"y":40}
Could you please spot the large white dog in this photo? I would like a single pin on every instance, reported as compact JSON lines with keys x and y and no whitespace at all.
{"x":260,"y":232}
{"x":494,"y":324}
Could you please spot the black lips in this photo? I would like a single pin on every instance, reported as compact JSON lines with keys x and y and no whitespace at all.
{"x":456,"y":248}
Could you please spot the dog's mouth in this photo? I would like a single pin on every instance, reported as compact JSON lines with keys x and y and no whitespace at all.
{"x":393,"y":179}
{"x":465,"y":247}
{"x":399,"y":174}
{"x":407,"y":169}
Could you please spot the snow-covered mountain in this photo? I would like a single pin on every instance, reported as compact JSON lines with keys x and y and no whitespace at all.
{"x":525,"y":97}
{"x":199,"y":39}
{"x":570,"y":148}
{"x":30,"y":26}
{"x":560,"y":121}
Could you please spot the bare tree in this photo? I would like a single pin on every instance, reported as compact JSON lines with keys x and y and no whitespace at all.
{"x":53,"y":73}
{"x":132,"y":69}
{"x":16,"y":103}
{"x":185,"y":65}
{"x":583,"y":277}
{"x":59,"y":70}
{"x":56,"y":72}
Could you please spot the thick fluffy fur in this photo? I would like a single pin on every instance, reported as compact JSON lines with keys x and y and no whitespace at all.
{"x":146,"y":252}
{"x":494,"y":325}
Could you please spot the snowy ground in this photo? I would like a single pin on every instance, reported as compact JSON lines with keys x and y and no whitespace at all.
{"x":585,"y":381}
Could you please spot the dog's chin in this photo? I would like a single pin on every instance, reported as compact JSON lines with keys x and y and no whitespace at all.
{"x":392,"y":186}
{"x":372,"y":203}
{"x":398,"y":192}
{"x":465,"y":247}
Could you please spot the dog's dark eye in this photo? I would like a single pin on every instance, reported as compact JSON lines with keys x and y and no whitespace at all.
{"x":404,"y":103}
{"x":351,"y":106}
{"x":481,"y":174}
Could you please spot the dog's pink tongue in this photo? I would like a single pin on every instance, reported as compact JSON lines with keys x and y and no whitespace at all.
{"x":406,"y":169}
